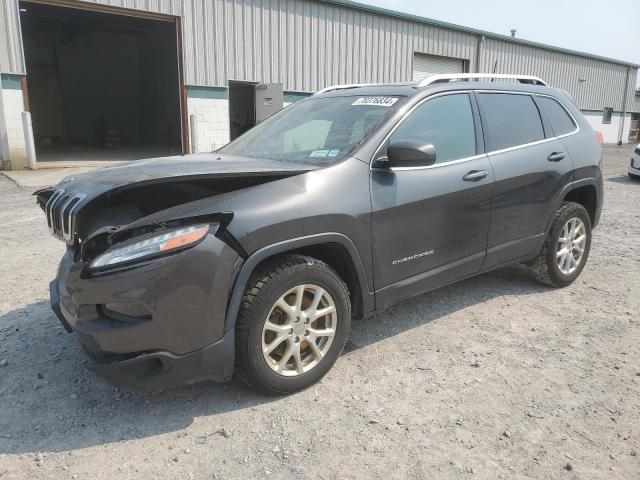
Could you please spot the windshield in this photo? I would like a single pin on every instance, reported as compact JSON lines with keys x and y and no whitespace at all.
{"x":315,"y":130}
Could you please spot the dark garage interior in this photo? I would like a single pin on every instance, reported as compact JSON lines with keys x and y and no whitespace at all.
{"x":242,"y":107}
{"x":101,"y":86}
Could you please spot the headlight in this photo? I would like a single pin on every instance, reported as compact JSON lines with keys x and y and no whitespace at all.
{"x":152,"y":245}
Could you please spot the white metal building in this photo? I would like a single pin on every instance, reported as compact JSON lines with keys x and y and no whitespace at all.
{"x":139,"y":78}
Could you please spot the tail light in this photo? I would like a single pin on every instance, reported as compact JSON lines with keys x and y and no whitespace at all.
{"x":600,"y":137}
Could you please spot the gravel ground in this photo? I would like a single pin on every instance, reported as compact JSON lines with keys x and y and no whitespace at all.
{"x":494,"y":377}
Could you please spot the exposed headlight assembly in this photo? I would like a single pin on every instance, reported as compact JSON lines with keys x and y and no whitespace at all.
{"x":153,"y":245}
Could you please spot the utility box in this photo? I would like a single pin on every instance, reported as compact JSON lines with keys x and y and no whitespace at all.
{"x":269,"y":100}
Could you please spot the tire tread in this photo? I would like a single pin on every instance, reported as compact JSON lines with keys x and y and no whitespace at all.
{"x":540,"y":269}
{"x":266,"y":274}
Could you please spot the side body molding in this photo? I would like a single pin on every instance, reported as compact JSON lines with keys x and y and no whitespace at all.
{"x":368,"y":297}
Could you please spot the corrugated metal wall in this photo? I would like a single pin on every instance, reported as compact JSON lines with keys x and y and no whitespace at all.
{"x":308,"y":44}
{"x":603,"y":84}
{"x":10,"y":42}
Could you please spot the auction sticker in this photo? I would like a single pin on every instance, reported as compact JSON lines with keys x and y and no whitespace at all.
{"x":376,"y":101}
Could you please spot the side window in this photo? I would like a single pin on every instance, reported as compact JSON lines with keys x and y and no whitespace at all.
{"x":509,"y":120}
{"x":446,"y":122}
{"x":558,"y":117}
{"x":606,"y":115}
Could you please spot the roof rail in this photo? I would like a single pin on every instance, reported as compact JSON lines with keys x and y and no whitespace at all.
{"x":448,"y":77}
{"x":348,"y":85}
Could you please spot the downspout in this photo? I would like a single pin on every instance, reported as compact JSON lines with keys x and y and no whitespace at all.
{"x":479,"y":52}
{"x":624,"y":106}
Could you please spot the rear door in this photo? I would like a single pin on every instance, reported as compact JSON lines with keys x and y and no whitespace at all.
{"x":430,"y":224}
{"x":531,"y":166}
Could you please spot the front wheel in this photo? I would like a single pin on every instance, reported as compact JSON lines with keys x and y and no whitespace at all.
{"x":292,"y":325}
{"x":566,"y":248}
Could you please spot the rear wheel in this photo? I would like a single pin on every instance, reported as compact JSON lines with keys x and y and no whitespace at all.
{"x":292,"y":325}
{"x":566,"y":248}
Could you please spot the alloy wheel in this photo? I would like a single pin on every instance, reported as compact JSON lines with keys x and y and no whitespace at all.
{"x":299,"y":330}
{"x":571,"y":245}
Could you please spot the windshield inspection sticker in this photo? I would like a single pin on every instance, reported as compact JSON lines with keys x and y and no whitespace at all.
{"x":333,"y":153}
{"x":376,"y":101}
{"x":319,"y":153}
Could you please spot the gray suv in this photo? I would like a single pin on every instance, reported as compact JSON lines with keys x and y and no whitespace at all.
{"x":254,"y":259}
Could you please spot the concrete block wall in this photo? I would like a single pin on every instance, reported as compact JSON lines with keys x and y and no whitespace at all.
{"x":212,"y":112}
{"x":212,"y":122}
{"x":12,"y":146}
{"x":609,"y":130}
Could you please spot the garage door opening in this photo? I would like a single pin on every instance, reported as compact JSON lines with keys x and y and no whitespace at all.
{"x":101,"y":86}
{"x":425,"y":65}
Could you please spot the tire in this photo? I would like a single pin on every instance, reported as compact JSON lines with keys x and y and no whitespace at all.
{"x":282,"y":280}
{"x":545,"y":268}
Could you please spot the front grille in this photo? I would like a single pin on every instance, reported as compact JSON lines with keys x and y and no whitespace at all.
{"x":60,"y":210}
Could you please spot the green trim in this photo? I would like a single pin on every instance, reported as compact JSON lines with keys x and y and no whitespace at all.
{"x":216,"y":93}
{"x":292,"y":97}
{"x":11,"y":82}
{"x":452,"y":26}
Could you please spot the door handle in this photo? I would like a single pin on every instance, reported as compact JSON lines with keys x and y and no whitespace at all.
{"x":475,"y":175}
{"x":556,"y":156}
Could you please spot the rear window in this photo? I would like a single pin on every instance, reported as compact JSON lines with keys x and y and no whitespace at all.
{"x":558,"y":117}
{"x":509,"y":120}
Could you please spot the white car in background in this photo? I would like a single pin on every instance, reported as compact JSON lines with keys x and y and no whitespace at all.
{"x":634,"y":168}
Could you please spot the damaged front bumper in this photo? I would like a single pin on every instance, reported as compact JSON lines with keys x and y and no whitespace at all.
{"x":161,"y":370}
{"x":156,"y":325}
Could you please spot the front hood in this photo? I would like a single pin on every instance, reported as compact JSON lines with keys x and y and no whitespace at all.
{"x":115,"y":196}
{"x":178,"y":167}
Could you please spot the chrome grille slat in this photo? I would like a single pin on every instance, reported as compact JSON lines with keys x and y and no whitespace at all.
{"x":49,"y":207}
{"x":60,"y":209}
{"x":56,"y":211}
{"x":68,"y":218}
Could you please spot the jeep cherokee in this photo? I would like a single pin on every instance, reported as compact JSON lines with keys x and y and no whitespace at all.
{"x":254,"y":259}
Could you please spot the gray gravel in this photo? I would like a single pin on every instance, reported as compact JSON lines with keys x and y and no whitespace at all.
{"x":494,"y":377}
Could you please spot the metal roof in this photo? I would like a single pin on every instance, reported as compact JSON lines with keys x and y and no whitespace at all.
{"x":453,"y":26}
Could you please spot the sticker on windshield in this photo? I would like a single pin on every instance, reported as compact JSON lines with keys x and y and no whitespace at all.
{"x":333,"y":153}
{"x":376,"y":101}
{"x":319,"y":153}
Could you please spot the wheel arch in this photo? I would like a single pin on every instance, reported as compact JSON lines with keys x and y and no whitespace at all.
{"x":573,"y":192}
{"x":335,"y":249}
{"x":586,"y":195}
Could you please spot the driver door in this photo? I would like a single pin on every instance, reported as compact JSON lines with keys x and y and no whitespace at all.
{"x":430,"y":223}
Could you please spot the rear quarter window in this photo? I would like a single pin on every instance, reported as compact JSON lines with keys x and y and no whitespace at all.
{"x":509,"y":120}
{"x":560,"y":121}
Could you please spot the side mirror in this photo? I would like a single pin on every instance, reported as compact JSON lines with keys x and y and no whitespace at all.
{"x":410,"y":153}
